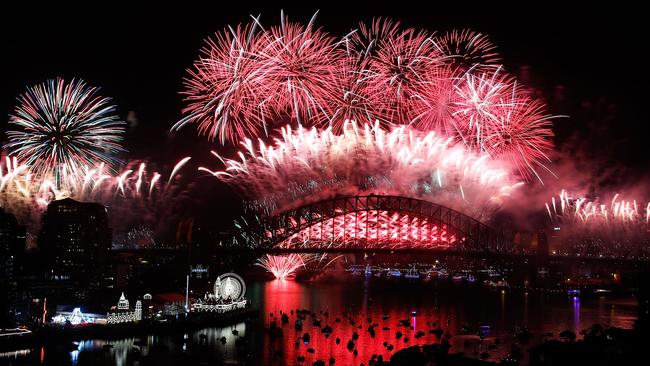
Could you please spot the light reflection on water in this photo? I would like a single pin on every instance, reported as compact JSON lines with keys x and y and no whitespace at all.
{"x":448,"y":306}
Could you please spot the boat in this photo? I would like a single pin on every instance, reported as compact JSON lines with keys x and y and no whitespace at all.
{"x":458,"y":278}
{"x":394,"y":273}
{"x":493,"y":273}
{"x":412,"y":273}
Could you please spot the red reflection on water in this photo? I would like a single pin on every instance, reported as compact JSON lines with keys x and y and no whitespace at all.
{"x":288,"y":296}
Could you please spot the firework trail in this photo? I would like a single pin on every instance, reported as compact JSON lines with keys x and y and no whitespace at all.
{"x":133,"y":196}
{"x":601,"y":227}
{"x":308,"y":165}
{"x":59,"y":127}
{"x":616,"y":213}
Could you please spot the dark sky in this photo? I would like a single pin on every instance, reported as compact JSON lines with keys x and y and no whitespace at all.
{"x":138,"y":55}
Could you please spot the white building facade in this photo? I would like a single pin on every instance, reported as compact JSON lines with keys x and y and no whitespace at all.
{"x":122,"y":313}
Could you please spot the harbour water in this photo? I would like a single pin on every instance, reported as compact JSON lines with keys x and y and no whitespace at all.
{"x":415,"y":309}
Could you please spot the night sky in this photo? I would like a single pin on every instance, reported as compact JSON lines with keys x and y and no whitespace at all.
{"x":138,"y":55}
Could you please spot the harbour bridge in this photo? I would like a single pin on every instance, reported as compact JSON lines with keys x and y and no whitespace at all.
{"x":376,"y":223}
{"x":381,"y":224}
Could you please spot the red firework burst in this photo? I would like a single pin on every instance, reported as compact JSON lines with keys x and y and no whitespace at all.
{"x":225,"y":90}
{"x":474,"y":101}
{"x":431,"y":107}
{"x":467,"y":49}
{"x":350,"y":98}
{"x":399,"y":62}
{"x":302,"y":63}
{"x":520,"y":132}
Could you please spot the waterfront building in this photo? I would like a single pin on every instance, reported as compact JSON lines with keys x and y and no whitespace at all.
{"x":123,"y":313}
{"x":228,"y":294}
{"x":76,"y":317}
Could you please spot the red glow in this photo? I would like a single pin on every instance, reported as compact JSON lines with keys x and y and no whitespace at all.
{"x":376,"y":229}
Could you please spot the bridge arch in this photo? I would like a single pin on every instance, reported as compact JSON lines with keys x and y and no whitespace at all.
{"x":377,"y":222}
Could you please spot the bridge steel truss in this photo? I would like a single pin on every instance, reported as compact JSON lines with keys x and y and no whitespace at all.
{"x":468,"y":234}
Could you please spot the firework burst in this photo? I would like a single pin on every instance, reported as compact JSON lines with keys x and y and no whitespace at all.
{"x":284,"y":266}
{"x":433,"y":103}
{"x":607,"y":214}
{"x":467,"y":49}
{"x":398,"y":66}
{"x":250,"y":80}
{"x":225,"y":89}
{"x":302,"y":63}
{"x":520,"y":132}
{"x":58,"y":128}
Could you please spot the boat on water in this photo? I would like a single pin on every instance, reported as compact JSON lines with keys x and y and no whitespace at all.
{"x":394,"y":273}
{"x":412,"y":273}
{"x":493,"y":273}
{"x":497,"y":284}
{"x":459,"y":278}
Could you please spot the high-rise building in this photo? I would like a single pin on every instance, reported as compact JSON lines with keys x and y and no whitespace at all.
{"x":76,"y":240}
{"x":12,"y":250}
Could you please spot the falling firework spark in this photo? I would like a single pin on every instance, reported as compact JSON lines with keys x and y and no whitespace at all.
{"x":615,"y":227}
{"x":285,"y":266}
{"x":307,"y":166}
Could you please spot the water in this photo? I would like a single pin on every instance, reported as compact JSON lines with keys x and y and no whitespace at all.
{"x":449,"y":306}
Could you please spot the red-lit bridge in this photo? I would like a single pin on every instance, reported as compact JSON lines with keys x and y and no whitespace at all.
{"x":372,"y":223}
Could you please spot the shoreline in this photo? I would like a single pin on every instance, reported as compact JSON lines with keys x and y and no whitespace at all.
{"x":60,"y":335}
